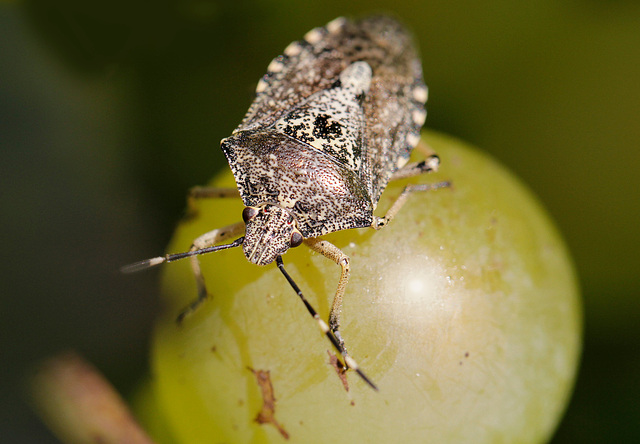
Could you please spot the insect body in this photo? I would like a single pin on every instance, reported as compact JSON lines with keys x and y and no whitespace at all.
{"x":335,"y":118}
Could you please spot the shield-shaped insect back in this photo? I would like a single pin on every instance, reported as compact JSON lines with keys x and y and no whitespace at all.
{"x":334,"y":119}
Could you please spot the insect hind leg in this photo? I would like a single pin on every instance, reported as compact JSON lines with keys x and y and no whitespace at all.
{"x":429,"y":165}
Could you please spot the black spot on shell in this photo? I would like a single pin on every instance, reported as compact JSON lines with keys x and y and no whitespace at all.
{"x":322,"y":129}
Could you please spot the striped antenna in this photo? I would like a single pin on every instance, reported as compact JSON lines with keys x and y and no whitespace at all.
{"x":148,"y":263}
{"x":348,"y":360}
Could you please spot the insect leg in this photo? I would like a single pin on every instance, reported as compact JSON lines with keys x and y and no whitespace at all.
{"x":425,"y":148}
{"x":330,"y":251}
{"x":207,"y":240}
{"x":213,"y":193}
{"x":430,"y":164}
{"x":379,"y":222}
{"x":349,"y":361}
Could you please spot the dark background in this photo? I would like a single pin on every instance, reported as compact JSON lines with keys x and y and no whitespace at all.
{"x":109,"y":112}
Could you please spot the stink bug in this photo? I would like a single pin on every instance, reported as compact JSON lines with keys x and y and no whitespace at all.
{"x":334,"y":119}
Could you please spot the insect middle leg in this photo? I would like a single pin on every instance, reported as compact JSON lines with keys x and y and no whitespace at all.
{"x":330,"y":251}
{"x":430,"y":164}
{"x":199,"y":192}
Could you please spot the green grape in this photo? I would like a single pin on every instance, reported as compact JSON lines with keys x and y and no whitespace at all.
{"x":464,"y":311}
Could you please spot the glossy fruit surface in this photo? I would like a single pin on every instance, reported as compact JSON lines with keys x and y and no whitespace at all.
{"x":464,"y":310}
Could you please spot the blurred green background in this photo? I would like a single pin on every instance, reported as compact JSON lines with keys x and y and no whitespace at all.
{"x":111,"y":110}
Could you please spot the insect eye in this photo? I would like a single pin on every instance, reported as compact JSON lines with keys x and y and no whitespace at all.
{"x":249,"y":213}
{"x":296,"y":239}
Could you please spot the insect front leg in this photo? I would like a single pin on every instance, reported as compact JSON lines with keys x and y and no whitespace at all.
{"x":330,"y":334}
{"x":330,"y":251}
{"x":207,"y":240}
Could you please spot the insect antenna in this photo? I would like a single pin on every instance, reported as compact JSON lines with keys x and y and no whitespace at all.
{"x":148,"y":263}
{"x":349,"y":361}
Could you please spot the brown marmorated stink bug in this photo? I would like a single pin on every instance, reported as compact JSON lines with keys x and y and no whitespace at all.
{"x":334,"y":119}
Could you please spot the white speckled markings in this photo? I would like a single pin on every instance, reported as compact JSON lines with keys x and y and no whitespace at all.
{"x":335,"y":118}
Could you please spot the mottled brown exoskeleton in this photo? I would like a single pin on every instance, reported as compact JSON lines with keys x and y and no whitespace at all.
{"x":335,"y":118}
